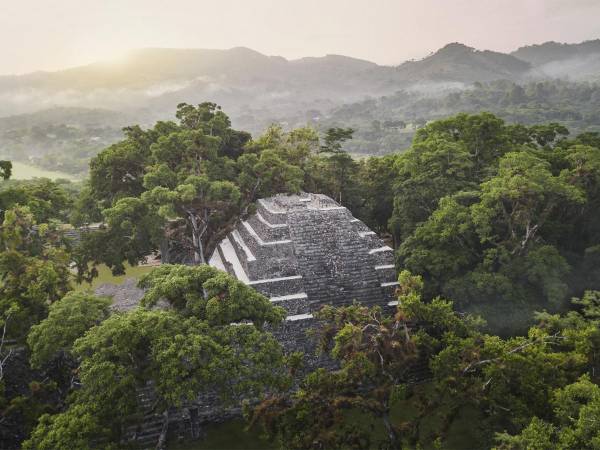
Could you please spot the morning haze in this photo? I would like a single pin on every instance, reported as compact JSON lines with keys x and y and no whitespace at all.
{"x":299,"y":224}
{"x":66,"y":33}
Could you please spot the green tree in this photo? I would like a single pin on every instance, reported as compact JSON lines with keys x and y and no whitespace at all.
{"x":516,"y":204}
{"x":476,"y":384}
{"x":5,"y":169}
{"x":68,"y":320}
{"x":499,"y":244}
{"x":431,"y":169}
{"x":353,"y":407}
{"x":334,"y":138}
{"x":376,"y":177}
{"x":46,"y":199}
{"x":185,"y":183}
{"x":34,"y":269}
{"x":338,"y":168}
{"x":577,"y":411}
{"x":182,"y":352}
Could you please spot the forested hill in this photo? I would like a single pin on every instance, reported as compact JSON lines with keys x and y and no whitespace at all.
{"x":388,"y":123}
{"x":548,"y":52}
{"x":459,"y":63}
{"x":573,"y":61}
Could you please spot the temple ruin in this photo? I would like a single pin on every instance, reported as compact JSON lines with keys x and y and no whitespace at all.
{"x":305,"y":251}
{"x":302,"y":252}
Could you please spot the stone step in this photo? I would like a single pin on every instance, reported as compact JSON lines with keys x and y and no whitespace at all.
{"x":264,"y":249}
{"x":381,"y":256}
{"x":230,"y":257}
{"x":389,"y":289}
{"x":359,"y":225}
{"x":293,"y":303}
{"x":297,"y":317}
{"x":268,"y":231}
{"x":216,"y":261}
{"x":251,"y":232}
{"x":371,"y":239}
{"x":269,"y":214}
{"x":223,"y":260}
{"x":274,"y":258}
{"x":280,"y":286}
{"x":240,"y":244}
{"x":386,"y":272}
{"x":244,"y":254}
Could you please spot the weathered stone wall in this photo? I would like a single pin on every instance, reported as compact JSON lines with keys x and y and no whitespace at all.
{"x":333,"y":259}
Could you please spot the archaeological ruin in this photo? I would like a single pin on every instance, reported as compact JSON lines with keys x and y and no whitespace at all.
{"x":305,"y":251}
{"x":302,"y":252}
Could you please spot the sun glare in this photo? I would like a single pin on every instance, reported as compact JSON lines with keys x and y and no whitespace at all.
{"x":117,"y":59}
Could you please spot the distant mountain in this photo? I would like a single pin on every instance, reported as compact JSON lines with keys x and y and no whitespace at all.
{"x":538,"y":55}
{"x":256,"y":89}
{"x":556,"y":60}
{"x":458,"y":63}
{"x":61,"y":119}
{"x":148,"y":76}
{"x":147,"y":68}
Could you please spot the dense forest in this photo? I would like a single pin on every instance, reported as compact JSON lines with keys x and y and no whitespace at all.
{"x":66,"y":139}
{"x":386,"y":124}
{"x":495,"y":342}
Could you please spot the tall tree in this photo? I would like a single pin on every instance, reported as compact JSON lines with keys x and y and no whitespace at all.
{"x":34,"y":269}
{"x":186,"y":183}
{"x":341,"y":165}
{"x":210,"y":341}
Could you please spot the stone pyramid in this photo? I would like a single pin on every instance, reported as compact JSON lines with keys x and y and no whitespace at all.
{"x":305,"y":251}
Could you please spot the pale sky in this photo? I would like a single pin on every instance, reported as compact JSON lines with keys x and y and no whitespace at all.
{"x":55,"y":34}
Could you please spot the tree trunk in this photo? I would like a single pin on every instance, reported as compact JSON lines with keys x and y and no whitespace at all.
{"x":196,"y":239}
{"x":162,"y":439}
{"x":390,"y":429}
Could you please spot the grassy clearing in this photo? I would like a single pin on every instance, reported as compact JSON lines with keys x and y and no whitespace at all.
{"x":105,"y":276}
{"x":21,"y":171}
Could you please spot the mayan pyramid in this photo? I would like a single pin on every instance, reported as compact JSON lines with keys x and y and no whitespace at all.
{"x":304,"y":251}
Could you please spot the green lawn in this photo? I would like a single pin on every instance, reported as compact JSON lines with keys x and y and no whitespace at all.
{"x":105,"y":276}
{"x":21,"y":171}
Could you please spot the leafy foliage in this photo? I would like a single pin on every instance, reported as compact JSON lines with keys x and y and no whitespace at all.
{"x":68,"y":319}
{"x":34,"y":269}
{"x":503,"y":219}
{"x":492,"y":383}
{"x":487,"y":214}
{"x":178,"y":353}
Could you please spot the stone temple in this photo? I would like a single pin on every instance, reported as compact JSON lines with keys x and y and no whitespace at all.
{"x":305,"y":251}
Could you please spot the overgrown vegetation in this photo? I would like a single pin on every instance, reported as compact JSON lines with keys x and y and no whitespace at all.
{"x":494,"y":343}
{"x":481,"y":391}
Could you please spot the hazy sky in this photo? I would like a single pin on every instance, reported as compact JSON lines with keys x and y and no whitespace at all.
{"x":53,"y":34}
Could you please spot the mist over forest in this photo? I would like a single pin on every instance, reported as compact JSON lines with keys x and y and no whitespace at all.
{"x":58,"y":120}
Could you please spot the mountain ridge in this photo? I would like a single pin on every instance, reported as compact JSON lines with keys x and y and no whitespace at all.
{"x":453,"y":62}
{"x":243,"y":79}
